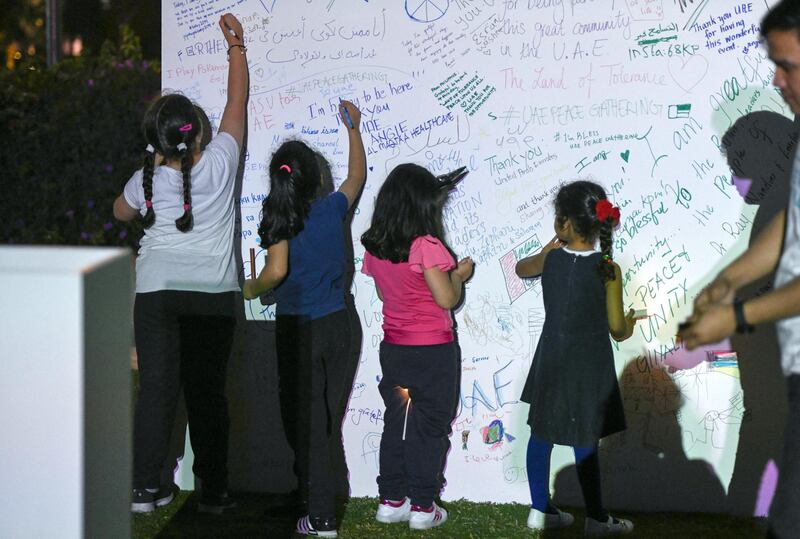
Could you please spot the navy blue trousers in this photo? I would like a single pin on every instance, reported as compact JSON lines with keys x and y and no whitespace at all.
{"x":415,"y":437}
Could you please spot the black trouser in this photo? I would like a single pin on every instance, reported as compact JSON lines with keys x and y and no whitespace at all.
{"x":314,"y":380}
{"x":182,"y":338}
{"x":784,"y":514}
{"x":413,"y":466}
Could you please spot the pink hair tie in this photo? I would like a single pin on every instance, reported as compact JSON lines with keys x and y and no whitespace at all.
{"x":148,"y":203}
{"x":287,"y":168}
{"x":185,"y":128}
{"x":186,"y":207}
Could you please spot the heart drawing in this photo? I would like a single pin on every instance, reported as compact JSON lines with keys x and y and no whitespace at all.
{"x":687,"y":73}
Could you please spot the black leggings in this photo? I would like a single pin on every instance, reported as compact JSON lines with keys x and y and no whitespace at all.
{"x":316,"y":371}
{"x":182,"y":338}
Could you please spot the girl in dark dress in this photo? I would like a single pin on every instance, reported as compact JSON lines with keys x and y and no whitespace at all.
{"x":572,"y":385}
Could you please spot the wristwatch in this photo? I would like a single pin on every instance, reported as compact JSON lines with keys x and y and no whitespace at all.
{"x":738,"y":312}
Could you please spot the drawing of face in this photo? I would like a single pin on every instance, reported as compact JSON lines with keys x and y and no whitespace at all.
{"x":784,"y":50}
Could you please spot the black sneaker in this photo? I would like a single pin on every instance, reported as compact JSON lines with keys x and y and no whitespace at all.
{"x":145,"y":501}
{"x":215,"y":504}
{"x":316,"y":526}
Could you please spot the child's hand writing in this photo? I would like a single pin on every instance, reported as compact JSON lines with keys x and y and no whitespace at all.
{"x":346,"y":108}
{"x":465,"y":268}
{"x":231,"y":29}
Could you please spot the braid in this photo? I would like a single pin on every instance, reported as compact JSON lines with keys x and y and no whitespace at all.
{"x":147,"y":184}
{"x":185,"y":222}
{"x":606,"y":265}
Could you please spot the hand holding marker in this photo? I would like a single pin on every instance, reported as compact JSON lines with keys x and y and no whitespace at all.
{"x":346,"y":114}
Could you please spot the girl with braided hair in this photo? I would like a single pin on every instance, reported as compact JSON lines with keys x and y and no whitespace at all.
{"x":186,"y":283}
{"x":572,"y":384}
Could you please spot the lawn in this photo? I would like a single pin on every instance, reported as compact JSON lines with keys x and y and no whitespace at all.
{"x":254,"y":518}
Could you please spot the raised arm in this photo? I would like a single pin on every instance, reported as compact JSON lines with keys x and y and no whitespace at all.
{"x":357,"y":159}
{"x":233,"y":117}
{"x":532,"y":266}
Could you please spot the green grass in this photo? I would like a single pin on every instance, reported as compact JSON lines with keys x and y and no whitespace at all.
{"x":467,"y":520}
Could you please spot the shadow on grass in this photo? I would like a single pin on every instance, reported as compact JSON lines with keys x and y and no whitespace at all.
{"x":256,"y":515}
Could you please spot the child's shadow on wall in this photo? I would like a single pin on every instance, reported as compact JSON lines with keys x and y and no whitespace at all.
{"x":645,"y":468}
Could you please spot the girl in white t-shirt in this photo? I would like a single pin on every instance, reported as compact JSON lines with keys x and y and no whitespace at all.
{"x":186,"y":283}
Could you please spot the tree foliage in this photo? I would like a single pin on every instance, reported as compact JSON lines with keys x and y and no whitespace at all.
{"x":69,"y":140}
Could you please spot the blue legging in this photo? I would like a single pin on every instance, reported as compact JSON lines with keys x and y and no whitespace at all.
{"x":587,"y":464}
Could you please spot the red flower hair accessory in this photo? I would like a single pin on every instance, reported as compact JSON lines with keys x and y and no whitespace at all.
{"x":605,"y":211}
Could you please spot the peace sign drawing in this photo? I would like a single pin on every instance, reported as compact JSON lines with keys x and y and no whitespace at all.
{"x":426,"y":10}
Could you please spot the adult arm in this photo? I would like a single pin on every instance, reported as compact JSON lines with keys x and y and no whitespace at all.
{"x":357,"y":159}
{"x":714,"y":319}
{"x":759,"y":260}
{"x":233,"y":117}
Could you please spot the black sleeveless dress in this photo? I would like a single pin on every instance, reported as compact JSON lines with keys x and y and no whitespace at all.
{"x":572,"y":384}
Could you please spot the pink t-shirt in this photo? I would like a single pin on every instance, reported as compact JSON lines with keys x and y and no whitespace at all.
{"x":410,"y":314}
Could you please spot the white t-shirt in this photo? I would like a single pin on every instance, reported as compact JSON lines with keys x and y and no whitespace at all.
{"x":202,"y":259}
{"x":788,"y":270}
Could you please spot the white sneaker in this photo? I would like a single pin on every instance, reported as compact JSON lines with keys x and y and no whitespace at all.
{"x":537,"y":520}
{"x":390,"y":511}
{"x":424,"y":519}
{"x":613,"y":526}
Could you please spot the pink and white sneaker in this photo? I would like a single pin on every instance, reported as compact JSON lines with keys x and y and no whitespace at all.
{"x":426,"y":518}
{"x":391,"y":511}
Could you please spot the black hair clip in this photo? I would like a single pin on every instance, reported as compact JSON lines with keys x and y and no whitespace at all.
{"x":450,"y":179}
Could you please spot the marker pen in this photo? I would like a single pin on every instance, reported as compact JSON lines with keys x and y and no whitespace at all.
{"x":347,"y":115}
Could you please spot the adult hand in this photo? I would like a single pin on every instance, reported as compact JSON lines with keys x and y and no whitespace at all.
{"x":718,"y":292}
{"x":714,"y":323}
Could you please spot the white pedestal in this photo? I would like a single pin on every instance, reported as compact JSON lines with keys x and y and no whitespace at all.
{"x":65,"y":392}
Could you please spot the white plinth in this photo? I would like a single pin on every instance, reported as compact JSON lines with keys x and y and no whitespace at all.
{"x":65,"y":392}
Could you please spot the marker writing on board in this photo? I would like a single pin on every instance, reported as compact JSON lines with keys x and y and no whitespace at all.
{"x":347,"y":115}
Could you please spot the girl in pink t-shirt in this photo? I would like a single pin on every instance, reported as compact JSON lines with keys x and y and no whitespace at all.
{"x":419,"y":282}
